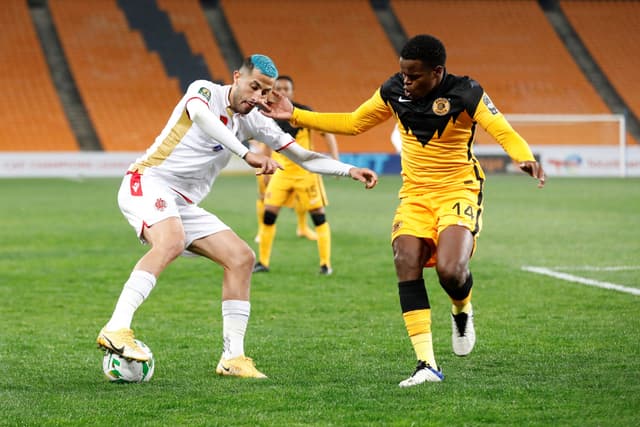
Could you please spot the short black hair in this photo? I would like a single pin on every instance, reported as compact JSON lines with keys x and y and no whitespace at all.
{"x":285,"y":77}
{"x":425,"y":48}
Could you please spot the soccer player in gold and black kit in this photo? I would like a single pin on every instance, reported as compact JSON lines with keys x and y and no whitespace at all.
{"x":439,"y":216}
{"x":292,"y":180}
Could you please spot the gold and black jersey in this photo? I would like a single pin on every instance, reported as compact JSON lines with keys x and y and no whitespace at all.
{"x":437,"y":131}
{"x":302,"y":136}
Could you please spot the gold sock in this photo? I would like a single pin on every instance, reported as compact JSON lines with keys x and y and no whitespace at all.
{"x":301,"y":214}
{"x":423,"y":346}
{"x":260,"y":214}
{"x":418,"y":324}
{"x":324,"y":243}
{"x":461,"y":306}
{"x":267,"y":236}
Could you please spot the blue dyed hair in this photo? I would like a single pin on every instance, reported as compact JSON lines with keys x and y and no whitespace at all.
{"x":263,"y":63}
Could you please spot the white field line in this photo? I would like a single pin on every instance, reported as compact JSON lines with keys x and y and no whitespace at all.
{"x":594,"y":268}
{"x":582,"y":280}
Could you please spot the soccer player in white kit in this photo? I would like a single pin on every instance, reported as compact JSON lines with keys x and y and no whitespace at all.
{"x":160,"y":193}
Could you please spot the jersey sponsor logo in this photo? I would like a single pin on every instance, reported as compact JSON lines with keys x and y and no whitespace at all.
{"x":401,"y":99}
{"x":441,"y":106}
{"x":396,"y":226}
{"x":206,"y":93}
{"x":217,"y":148}
{"x":161,"y":204}
{"x":224,"y":120}
{"x":487,"y":101}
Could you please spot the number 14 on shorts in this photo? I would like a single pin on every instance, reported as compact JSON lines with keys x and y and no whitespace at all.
{"x":461,"y":209}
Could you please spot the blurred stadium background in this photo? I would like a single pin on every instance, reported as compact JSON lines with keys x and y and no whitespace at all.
{"x":86,"y":86}
{"x":86,"y":83}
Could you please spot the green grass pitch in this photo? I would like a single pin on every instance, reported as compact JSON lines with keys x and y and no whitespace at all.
{"x":549,"y":352}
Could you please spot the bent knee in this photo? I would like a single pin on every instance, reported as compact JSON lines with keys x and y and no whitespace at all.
{"x":318,"y":218}
{"x":242,"y":258}
{"x":452,"y":274}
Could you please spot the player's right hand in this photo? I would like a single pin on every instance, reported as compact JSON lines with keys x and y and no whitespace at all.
{"x":264,"y":165}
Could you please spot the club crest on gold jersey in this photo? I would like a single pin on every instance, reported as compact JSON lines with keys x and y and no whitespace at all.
{"x":441,"y":106}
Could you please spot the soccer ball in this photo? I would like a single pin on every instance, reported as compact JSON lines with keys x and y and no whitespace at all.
{"x":120,"y":370}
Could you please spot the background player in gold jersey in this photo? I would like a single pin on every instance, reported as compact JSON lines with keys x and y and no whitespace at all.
{"x":307,"y":189}
{"x":440,"y":211}
{"x":302,"y":228}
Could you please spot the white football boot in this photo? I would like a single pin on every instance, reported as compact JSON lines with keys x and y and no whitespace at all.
{"x":463,"y":334}
{"x":423,"y":373}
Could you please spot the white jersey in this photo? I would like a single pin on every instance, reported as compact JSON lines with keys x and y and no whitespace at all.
{"x":187,"y":158}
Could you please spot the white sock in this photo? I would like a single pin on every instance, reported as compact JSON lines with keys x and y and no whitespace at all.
{"x":235,"y":316}
{"x":135,"y":291}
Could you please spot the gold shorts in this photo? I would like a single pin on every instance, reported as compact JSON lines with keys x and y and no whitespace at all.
{"x":425,"y":216}
{"x":308,"y":191}
{"x":262,"y":189}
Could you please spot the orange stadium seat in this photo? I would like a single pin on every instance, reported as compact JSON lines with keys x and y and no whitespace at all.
{"x":513,"y":51}
{"x":187,"y":17}
{"x":124,"y":86}
{"x":32,"y":114}
{"x":607,"y":30}
{"x":336,"y":52}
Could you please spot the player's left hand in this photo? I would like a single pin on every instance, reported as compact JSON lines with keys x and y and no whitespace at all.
{"x":535,"y":170}
{"x":367,"y":176}
{"x":276,"y":106}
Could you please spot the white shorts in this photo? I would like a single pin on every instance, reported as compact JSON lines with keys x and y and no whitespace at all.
{"x":145,"y":201}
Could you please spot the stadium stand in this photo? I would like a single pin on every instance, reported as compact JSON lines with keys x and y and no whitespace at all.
{"x":160,"y":37}
{"x":187,"y":17}
{"x":336,"y":52}
{"x":31,"y":110}
{"x":124,"y":86}
{"x":512,"y":50}
{"x":604,"y":28}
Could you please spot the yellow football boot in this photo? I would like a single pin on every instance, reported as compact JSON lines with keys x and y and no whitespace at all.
{"x":121,"y":341}
{"x":240,"y":366}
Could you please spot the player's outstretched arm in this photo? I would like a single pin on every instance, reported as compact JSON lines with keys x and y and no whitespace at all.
{"x":535,"y":170}
{"x":325,"y":165}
